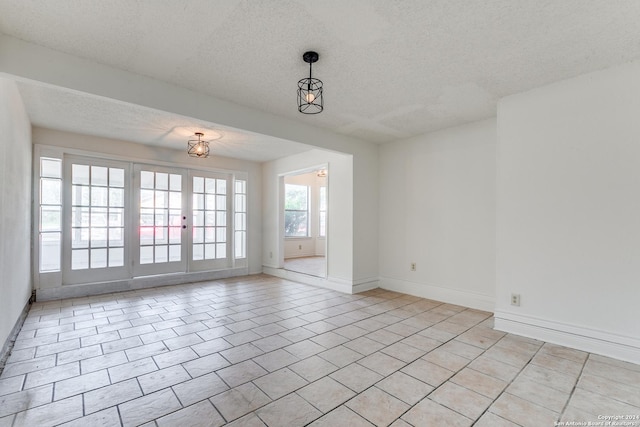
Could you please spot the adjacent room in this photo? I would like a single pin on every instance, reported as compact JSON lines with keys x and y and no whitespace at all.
{"x":283,"y":213}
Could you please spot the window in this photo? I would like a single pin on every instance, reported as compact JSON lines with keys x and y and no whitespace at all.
{"x":296,"y":210}
{"x":240,"y":222}
{"x":322,"y":213}
{"x":50,"y":224}
{"x":99,"y":219}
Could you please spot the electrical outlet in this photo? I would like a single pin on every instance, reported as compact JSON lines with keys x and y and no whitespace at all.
{"x":300,"y":247}
{"x":515,"y":299}
{"x":270,"y":254}
{"x":413,"y":266}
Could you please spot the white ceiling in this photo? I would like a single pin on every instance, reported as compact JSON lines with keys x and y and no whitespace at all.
{"x":391,"y":69}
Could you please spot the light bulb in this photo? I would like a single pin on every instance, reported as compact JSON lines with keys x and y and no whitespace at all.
{"x":199,"y":149}
{"x":310,"y":97}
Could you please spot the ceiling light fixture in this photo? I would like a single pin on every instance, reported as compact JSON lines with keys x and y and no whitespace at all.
{"x":309,"y":89}
{"x":322,"y":173}
{"x":197,"y":147}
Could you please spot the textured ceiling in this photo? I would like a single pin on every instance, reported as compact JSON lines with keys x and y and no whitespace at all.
{"x":392,"y":69}
{"x":92,"y":115}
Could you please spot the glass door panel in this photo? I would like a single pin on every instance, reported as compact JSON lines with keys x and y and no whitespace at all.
{"x":162,"y":221}
{"x":94,"y":244}
{"x":210,"y":242}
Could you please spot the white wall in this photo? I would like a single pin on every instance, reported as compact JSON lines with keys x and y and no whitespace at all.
{"x":296,"y":247}
{"x":15,"y":208}
{"x":437,"y":209}
{"x":569,"y":212}
{"x":341,"y":259}
{"x":138,"y":152}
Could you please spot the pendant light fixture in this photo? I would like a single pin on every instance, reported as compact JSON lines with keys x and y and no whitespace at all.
{"x":309,"y":89}
{"x":197,"y":147}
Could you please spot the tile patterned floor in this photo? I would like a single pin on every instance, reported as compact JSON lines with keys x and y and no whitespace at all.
{"x":258,"y":350}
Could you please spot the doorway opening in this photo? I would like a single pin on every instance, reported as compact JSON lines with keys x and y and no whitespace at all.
{"x":305,"y":221}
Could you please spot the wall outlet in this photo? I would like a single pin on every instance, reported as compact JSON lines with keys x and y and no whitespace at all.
{"x":300,"y":247}
{"x":270,"y":254}
{"x":515,"y":299}
{"x":413,"y":266}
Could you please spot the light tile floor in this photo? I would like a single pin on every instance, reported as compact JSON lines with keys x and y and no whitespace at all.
{"x":258,"y":350}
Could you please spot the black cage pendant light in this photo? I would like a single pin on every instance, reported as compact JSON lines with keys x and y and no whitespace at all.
{"x":310,"y":89}
{"x":198,"y":147}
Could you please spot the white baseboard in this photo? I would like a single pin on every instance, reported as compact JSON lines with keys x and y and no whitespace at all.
{"x":82,"y":290}
{"x":578,"y":337}
{"x":451,"y":296}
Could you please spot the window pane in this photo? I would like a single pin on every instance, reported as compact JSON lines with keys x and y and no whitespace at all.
{"x":175,"y":200}
{"x":221,"y":186}
{"x":198,"y":201}
{"x":221,"y":249}
{"x":239,"y":244}
{"x":295,"y":224}
{"x":98,"y":238}
{"x":50,"y":191}
{"x":162,"y":181}
{"x":146,"y":179}
{"x":146,"y":198}
{"x":210,"y":185}
{"x":98,"y":258}
{"x":79,"y":238}
{"x":146,"y":254}
{"x":241,"y":186}
{"x":162,"y":253}
{"x":116,"y":237}
{"x":146,"y":217}
{"x":99,"y":177}
{"x":80,"y":195}
{"x":175,"y":182}
{"x":210,"y":201}
{"x":221,"y":203}
{"x":162,"y":217}
{"x":99,"y":196}
{"x":198,"y":235}
{"x":116,"y":197}
{"x":50,"y":219}
{"x":161,"y":199}
{"x":116,"y":257}
{"x":198,"y":218}
{"x":80,"y":174}
{"x":162,"y":236}
{"x":198,"y":252}
{"x":116,"y":177}
{"x":50,"y":168}
{"x":116,"y":217}
{"x":79,"y":259}
{"x":209,"y":251}
{"x":146,"y":236}
{"x":210,"y":234}
{"x":221,"y":218}
{"x":295,"y":197}
{"x":221,"y":234}
{"x":80,"y":217}
{"x":198,"y":184}
{"x":174,"y":253}
{"x":99,"y":217}
{"x":50,"y":252}
{"x":175,"y":234}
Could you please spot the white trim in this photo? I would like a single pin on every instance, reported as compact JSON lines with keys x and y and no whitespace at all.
{"x":438,"y":293}
{"x":367,"y":284}
{"x":87,"y":289}
{"x":582,"y":338}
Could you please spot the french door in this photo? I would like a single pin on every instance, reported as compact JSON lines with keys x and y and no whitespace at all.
{"x":129,"y":220}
